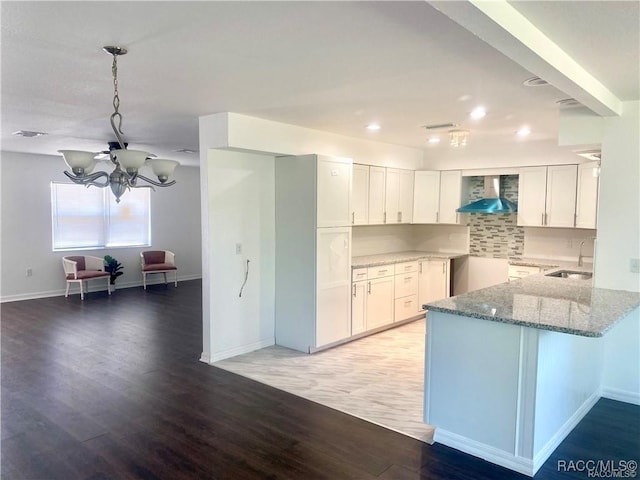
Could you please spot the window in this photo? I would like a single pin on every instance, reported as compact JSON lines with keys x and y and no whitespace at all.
{"x":90,"y":218}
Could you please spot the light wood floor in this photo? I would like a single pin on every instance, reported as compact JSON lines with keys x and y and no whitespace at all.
{"x":379,"y":378}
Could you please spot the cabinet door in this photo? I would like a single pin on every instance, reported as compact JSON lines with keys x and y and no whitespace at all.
{"x":333,"y":294}
{"x":450,"y":196}
{"x":380,"y":302}
{"x":405,"y":200}
{"x":426,"y":196}
{"x":376,"y":195}
{"x":334,"y":192}
{"x":358,"y":307}
{"x":392,"y":196}
{"x":432,"y":281}
{"x":360,"y":195}
{"x":561,"y":195}
{"x":587,"y":195}
{"x":532,"y":185}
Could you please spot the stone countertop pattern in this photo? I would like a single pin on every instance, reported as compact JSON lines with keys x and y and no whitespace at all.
{"x":547,"y":303}
{"x":399,"y":257}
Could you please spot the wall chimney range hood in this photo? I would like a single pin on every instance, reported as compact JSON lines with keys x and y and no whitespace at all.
{"x":491,"y":202}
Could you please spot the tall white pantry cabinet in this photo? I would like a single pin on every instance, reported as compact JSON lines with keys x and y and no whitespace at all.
{"x":313,"y":251}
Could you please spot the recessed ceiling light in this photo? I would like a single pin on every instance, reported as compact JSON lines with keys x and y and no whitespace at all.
{"x":373,"y":127}
{"x":464,"y":98}
{"x":434,"y":140}
{"x":524,"y":131}
{"x":186,"y":150}
{"x":478,"y":112}
{"x":28,"y":133}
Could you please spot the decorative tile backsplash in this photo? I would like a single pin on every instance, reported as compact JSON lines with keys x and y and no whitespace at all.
{"x":495,"y":235}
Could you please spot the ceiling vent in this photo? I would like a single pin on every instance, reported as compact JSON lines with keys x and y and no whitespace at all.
{"x":28,"y":133}
{"x":440,"y":126}
{"x":568,"y":102}
{"x":535,"y":82}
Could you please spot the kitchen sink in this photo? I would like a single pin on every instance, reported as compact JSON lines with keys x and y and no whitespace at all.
{"x":570,"y":274}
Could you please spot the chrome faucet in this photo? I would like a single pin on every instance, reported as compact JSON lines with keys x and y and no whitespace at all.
{"x":580,"y":256}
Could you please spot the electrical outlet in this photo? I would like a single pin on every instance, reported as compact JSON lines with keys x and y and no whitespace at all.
{"x":29,"y":272}
{"x":634,"y":265}
{"x":238,"y":248}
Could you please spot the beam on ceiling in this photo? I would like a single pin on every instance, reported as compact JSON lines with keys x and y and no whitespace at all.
{"x":504,"y":28}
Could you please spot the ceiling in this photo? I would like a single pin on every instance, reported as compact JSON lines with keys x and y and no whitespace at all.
{"x":333,"y":66}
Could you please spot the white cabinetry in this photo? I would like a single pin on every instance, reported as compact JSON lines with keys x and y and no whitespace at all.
{"x":587,"y":195}
{"x":521,"y":271}
{"x":360,"y":195}
{"x":377,"y":179}
{"x":406,"y":291}
{"x":313,"y":251}
{"x":380,"y":296}
{"x":358,"y":301}
{"x":437,"y":196}
{"x":392,"y":196}
{"x":405,"y":196}
{"x":426,"y":196}
{"x":450,"y":196}
{"x":547,"y":196}
{"x":433,"y":280}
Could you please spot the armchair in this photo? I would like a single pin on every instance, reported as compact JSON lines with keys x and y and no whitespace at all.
{"x":158,"y":261}
{"x":81,"y":268}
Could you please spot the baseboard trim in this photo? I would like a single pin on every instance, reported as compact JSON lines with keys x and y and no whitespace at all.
{"x":232,"y":352}
{"x":621,"y":395}
{"x":553,"y":443}
{"x":484,"y":451}
{"x":92,"y":288}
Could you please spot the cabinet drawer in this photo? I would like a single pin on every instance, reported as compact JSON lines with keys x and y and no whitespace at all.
{"x":380,"y":271}
{"x":405,"y":307}
{"x":521,"y":271}
{"x":406,"y":284}
{"x":406,"y":267}
{"x":358,"y":274}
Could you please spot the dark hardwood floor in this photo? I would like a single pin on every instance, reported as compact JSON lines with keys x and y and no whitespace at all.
{"x":111,"y":387}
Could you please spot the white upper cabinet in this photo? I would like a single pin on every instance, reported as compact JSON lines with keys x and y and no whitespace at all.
{"x":392,"y":196}
{"x":561,"y":195}
{"x":450,"y":196}
{"x":360,"y":195}
{"x":333,"y":192}
{"x":547,"y":196}
{"x":426,"y":196}
{"x":405,"y":200}
{"x":437,"y":196}
{"x":532,"y":187}
{"x":587,"y":195}
{"x":377,"y":176}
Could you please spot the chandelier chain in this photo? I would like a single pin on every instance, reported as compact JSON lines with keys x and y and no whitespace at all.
{"x":116,"y":96}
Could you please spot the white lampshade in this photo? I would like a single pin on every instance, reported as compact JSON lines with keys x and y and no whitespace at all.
{"x":162,"y":168}
{"x":130,"y":159}
{"x":79,"y":161}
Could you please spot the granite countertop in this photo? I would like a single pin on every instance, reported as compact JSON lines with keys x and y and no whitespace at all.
{"x":548,"y":303}
{"x":398,"y":257}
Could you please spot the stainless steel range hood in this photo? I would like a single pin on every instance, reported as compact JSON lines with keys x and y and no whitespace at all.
{"x":492,"y":202}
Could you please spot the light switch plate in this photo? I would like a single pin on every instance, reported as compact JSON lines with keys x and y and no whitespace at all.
{"x":634,"y":265}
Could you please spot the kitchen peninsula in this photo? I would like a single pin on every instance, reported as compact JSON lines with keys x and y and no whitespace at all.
{"x":511,"y":369}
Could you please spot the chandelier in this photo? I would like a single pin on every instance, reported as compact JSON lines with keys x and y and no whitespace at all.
{"x":458,"y":138}
{"x":127,"y":162}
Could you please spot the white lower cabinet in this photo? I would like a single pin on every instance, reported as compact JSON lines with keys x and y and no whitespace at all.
{"x":406,"y":291}
{"x":359,"y":301}
{"x":521,"y":271}
{"x":380,"y":302}
{"x":433,"y":280}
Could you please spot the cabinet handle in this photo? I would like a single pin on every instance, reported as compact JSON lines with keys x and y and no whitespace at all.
{"x":353,"y":218}
{"x":420,"y":266}
{"x":355,"y":290}
{"x":575,"y":219}
{"x":384,"y":220}
{"x":437,"y":217}
{"x":369,"y":287}
{"x":408,"y":302}
{"x":383,"y":271}
{"x":443,"y":269}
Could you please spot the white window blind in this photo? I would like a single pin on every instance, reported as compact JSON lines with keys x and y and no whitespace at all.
{"x":90,"y":218}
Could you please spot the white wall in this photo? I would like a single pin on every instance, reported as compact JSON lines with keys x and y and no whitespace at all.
{"x":618,"y":243}
{"x":241,"y":210}
{"x":562,"y":244}
{"x":26,"y":228}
